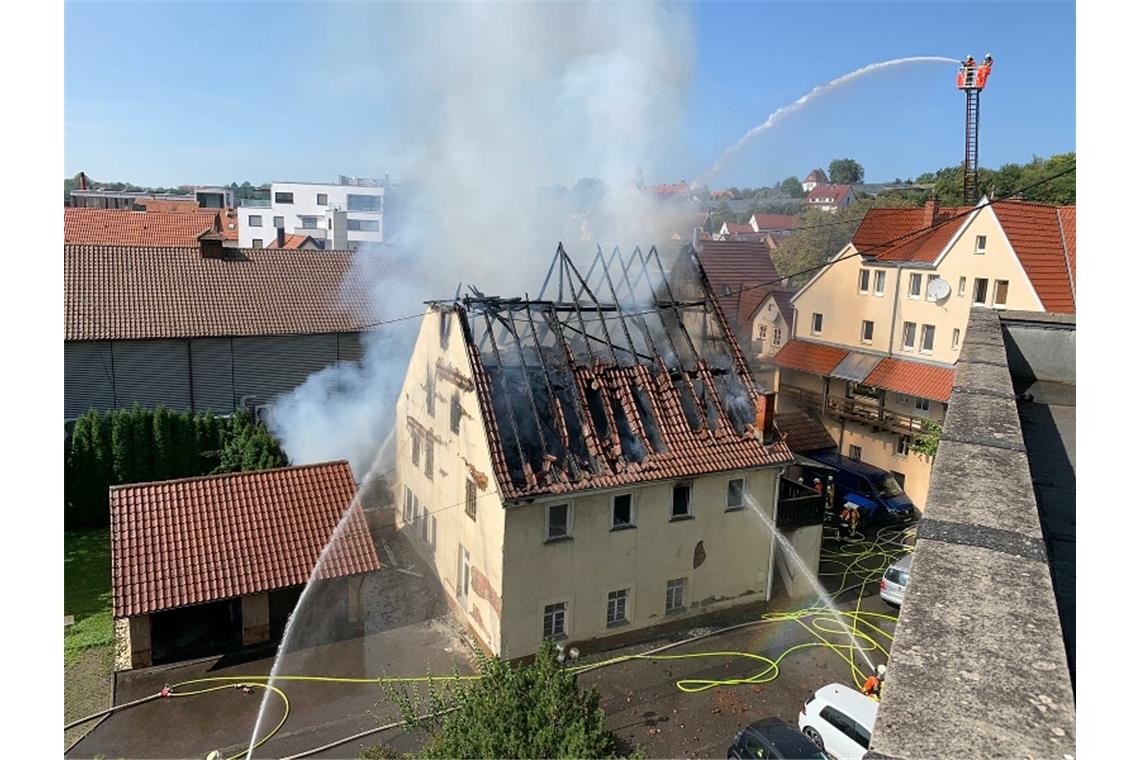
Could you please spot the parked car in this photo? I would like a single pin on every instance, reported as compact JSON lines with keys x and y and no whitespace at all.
{"x":895,"y":580}
{"x":875,"y":491}
{"x":773,"y":738}
{"x":839,"y":720}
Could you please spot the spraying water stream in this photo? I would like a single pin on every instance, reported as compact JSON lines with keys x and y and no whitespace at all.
{"x":816,"y":92}
{"x":794,"y":558}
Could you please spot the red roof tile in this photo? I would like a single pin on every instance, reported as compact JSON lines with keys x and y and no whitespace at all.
{"x":803,"y":432}
{"x":1068,"y":218}
{"x":292,"y":242}
{"x":815,"y":358}
{"x":729,"y":265}
{"x":774,"y":221}
{"x":127,"y":293}
{"x":738,"y":229}
{"x":749,"y":303}
{"x":913,"y":379}
{"x":135,"y":228}
{"x":821,"y":193}
{"x":1034,"y":231}
{"x":195,"y":540}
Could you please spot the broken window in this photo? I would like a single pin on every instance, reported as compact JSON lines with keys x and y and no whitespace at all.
{"x":557,"y":522}
{"x":456,"y":412}
{"x":623,"y":510}
{"x":470,"y":508}
{"x":735,"y":499}
{"x":429,"y":388}
{"x":554,"y":621}
{"x":415,"y":449}
{"x":682,"y":501}
{"x":429,"y":458}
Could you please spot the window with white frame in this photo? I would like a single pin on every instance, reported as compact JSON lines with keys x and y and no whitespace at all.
{"x":255,"y":220}
{"x":868,"y":333}
{"x":763,"y":332}
{"x":930,"y":278}
{"x":880,"y":282}
{"x":557,"y":522}
{"x":408,"y":504}
{"x":927,"y":339}
{"x":961,"y":286}
{"x":980,"y":244}
{"x":955,"y":338}
{"x":981,"y":288}
{"x":908,"y":333}
{"x":902,"y":445}
{"x":682,"y":501}
{"x":1001,"y":292}
{"x":283,"y":197}
{"x":734,"y":497}
{"x":617,"y":607}
{"x":554,"y":621}
{"x":675,"y":594}
{"x":623,"y":511}
{"x":258,"y":243}
{"x":322,"y":199}
{"x":278,"y":222}
{"x":777,"y":336}
{"x":915,"y":286}
{"x":922,"y":406}
{"x":855,"y":452}
{"x":864,"y":280}
{"x":310,"y":222}
{"x":816,"y":323}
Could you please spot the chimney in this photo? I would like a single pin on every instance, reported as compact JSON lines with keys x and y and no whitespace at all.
{"x":929,"y":211}
{"x":280,"y":237}
{"x":766,"y":416}
{"x":82,"y":180}
{"x":210,"y":244}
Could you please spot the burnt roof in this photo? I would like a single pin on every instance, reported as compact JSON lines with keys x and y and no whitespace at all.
{"x":602,"y":385}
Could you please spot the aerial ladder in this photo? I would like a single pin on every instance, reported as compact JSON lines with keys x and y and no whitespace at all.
{"x":972,"y":79}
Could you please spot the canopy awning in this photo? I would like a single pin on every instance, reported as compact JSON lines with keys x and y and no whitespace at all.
{"x":856,"y":366}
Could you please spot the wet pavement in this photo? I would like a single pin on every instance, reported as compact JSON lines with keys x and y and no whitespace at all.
{"x":641,"y":697}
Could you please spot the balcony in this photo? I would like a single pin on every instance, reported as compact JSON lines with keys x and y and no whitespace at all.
{"x":798,"y":505}
{"x":801,"y":397}
{"x":254,"y":203}
{"x":870,"y":413}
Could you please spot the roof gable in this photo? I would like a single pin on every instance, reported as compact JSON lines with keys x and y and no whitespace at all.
{"x":730,"y":264}
{"x":1035,"y":233}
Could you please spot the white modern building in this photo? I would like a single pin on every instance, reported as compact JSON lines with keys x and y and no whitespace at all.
{"x":341,"y":215}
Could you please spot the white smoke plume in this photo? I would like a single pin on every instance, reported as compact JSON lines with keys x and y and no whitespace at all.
{"x":487,"y":105}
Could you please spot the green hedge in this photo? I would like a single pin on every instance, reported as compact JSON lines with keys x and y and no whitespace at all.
{"x":140,"y":445}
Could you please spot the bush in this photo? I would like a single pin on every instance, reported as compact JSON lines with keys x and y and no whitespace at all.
{"x":522,"y":711}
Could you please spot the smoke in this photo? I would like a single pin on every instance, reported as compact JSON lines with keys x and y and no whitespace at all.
{"x":817,"y":91}
{"x":492,"y":113}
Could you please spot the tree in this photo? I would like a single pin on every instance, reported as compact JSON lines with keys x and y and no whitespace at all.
{"x":926,"y":442}
{"x":845,"y":171}
{"x":793,"y":187}
{"x":522,"y":711}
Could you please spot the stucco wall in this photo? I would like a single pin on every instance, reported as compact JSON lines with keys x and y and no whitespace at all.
{"x":444,"y":526}
{"x":725,"y":557}
{"x":806,"y":543}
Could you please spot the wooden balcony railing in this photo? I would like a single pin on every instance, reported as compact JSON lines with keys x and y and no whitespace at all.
{"x":869,"y":413}
{"x":801,"y":397}
{"x":798,"y":505}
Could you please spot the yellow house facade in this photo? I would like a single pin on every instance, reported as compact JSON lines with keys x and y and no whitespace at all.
{"x":876,"y":333}
{"x":576,"y":501}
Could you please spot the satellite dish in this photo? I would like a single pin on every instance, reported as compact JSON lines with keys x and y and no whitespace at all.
{"x":938,"y":289}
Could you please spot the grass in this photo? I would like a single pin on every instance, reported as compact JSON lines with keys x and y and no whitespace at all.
{"x":87,"y":591}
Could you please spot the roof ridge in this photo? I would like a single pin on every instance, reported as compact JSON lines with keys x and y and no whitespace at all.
{"x":225,"y":475}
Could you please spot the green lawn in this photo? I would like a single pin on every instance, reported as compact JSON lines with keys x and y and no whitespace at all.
{"x":87,"y":590}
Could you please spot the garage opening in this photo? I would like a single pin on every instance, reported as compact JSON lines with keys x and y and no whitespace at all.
{"x":199,"y":630}
{"x":281,"y":604}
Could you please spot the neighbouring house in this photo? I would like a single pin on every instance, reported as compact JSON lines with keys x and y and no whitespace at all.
{"x":208,"y":565}
{"x":200,"y":196}
{"x":729,"y":228}
{"x":770,"y":314}
{"x":876,"y":334}
{"x":830,"y":197}
{"x":776,"y":225}
{"x":737,"y":273}
{"x":208,"y":327}
{"x":814,"y":178}
{"x":343,"y":215}
{"x":89,"y":226}
{"x":582,"y":470}
{"x":679,"y":190}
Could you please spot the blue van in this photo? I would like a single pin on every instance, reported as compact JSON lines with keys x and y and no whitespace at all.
{"x":876,"y":492}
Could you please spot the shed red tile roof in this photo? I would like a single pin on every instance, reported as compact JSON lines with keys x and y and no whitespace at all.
{"x":194,"y":540}
{"x":803,"y":432}
{"x":815,"y":358}
{"x":730,"y":265}
{"x":128,"y":293}
{"x":1034,"y":231}
{"x":913,"y":378}
{"x":134,"y":228}
{"x":774,"y":221}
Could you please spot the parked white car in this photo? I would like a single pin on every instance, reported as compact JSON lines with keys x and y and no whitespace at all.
{"x":893,"y":585}
{"x":839,"y":721}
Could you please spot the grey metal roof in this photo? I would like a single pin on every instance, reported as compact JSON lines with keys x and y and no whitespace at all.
{"x":856,"y":366}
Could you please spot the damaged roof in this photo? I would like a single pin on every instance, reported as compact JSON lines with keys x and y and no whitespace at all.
{"x":602,"y":385}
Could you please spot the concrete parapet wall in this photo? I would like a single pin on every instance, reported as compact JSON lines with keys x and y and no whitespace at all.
{"x":978,"y":667}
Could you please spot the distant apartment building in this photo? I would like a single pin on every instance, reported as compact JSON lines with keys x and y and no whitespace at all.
{"x":343,"y":215}
{"x":831,"y":198}
{"x":876,"y":334}
{"x":585,"y":475}
{"x":202,"y":197}
{"x":208,"y":328}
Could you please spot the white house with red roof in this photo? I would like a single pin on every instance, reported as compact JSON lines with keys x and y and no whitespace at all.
{"x":876,"y":334}
{"x":814,"y":177}
{"x":830,"y":197}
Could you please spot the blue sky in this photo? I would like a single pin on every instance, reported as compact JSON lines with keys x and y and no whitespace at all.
{"x":170,"y":93}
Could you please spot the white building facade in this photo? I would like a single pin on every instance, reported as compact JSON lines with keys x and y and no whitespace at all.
{"x":340,"y":215}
